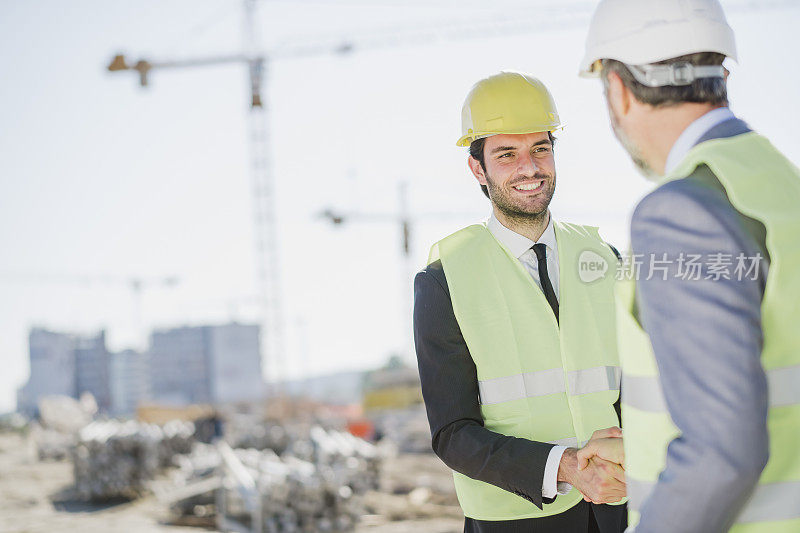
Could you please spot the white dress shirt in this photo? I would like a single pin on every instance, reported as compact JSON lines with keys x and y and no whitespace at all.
{"x":522,"y":248}
{"x":693,"y":133}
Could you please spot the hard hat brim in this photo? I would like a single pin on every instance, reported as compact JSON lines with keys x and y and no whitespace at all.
{"x":466,"y":140}
{"x":647,"y":45}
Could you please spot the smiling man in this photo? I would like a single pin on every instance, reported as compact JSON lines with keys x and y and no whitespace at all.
{"x":516,"y":349}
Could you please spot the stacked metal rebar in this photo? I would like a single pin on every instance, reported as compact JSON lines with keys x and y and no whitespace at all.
{"x":114,"y":459}
{"x":314,"y":485}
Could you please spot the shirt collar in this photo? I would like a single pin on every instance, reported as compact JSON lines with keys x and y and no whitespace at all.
{"x":693,"y":133}
{"x":519,"y":244}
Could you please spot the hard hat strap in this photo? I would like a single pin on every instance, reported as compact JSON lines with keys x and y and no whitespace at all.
{"x":681,"y":73}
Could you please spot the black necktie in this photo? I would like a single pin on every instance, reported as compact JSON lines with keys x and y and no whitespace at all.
{"x":547,"y":287}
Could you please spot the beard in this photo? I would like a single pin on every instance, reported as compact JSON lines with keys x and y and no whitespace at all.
{"x":633,"y":151}
{"x":525,"y":209}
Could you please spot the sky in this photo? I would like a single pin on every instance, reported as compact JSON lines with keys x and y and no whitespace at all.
{"x":102,"y":180}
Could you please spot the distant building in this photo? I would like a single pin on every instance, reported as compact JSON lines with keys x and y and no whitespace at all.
{"x":189,"y":365}
{"x":179,"y":366}
{"x":206,"y":364}
{"x":91,"y":369}
{"x":234,"y":363}
{"x":62,"y":363}
{"x":128,"y":381}
{"x":52,"y":362}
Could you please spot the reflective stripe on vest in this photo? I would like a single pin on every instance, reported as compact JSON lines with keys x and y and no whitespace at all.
{"x":784,"y":387}
{"x":597,"y":379}
{"x":769,"y":501}
{"x":545,"y":382}
{"x":644,"y":392}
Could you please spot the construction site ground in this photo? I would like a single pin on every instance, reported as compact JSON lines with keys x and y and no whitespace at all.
{"x":35,"y":497}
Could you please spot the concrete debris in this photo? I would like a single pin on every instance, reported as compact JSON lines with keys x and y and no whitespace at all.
{"x":50,"y":444}
{"x":115,"y":459}
{"x":60,"y":418}
{"x":407,"y":428}
{"x":65,"y":414}
{"x":241,"y":432}
{"x":178,"y":437}
{"x":314,"y":485}
{"x":202,"y":461}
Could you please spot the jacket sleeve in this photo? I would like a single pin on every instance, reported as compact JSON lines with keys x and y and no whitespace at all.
{"x":707,"y":339}
{"x":618,"y":403}
{"x":450,"y":390}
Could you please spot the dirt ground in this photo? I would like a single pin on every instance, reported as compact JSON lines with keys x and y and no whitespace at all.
{"x":35,"y":497}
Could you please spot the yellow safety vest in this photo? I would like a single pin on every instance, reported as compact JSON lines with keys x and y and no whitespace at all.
{"x":537,"y":381}
{"x":762,"y":184}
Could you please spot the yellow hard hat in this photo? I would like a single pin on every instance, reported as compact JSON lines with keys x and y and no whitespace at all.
{"x":510,"y":103}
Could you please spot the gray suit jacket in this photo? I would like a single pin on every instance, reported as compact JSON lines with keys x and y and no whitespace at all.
{"x":707,"y":340}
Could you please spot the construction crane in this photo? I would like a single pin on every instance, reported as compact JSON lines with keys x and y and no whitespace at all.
{"x":560,"y":15}
{"x":263,"y":191}
{"x":262,"y":178}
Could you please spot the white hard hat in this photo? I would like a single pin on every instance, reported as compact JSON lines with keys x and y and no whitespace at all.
{"x":637,"y":32}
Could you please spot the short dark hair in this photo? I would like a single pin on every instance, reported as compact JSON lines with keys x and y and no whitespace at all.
{"x":703,"y":90}
{"x":476,"y":151}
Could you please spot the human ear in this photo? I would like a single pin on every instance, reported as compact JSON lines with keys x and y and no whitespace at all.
{"x":477,"y":170}
{"x":617,"y":95}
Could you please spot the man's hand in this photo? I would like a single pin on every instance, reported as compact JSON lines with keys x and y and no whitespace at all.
{"x":606,"y":444}
{"x":608,"y":449}
{"x":600,"y":481}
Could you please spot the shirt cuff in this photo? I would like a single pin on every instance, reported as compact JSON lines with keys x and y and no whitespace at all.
{"x":551,"y":487}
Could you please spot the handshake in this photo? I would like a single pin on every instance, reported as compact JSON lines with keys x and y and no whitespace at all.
{"x":596,"y":469}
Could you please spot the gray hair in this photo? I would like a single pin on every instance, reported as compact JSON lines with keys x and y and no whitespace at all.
{"x":703,"y":90}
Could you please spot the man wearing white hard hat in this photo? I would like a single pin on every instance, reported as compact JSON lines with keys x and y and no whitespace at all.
{"x":516,"y":345}
{"x":708,"y":337}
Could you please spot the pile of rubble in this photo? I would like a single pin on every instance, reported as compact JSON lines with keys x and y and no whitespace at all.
{"x":49,"y":444}
{"x":291,"y":478}
{"x":60,"y":419}
{"x":294,"y":495}
{"x":314,"y":485}
{"x":407,"y":428}
{"x":113,"y":459}
{"x":176,"y":437}
{"x":241,"y":432}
